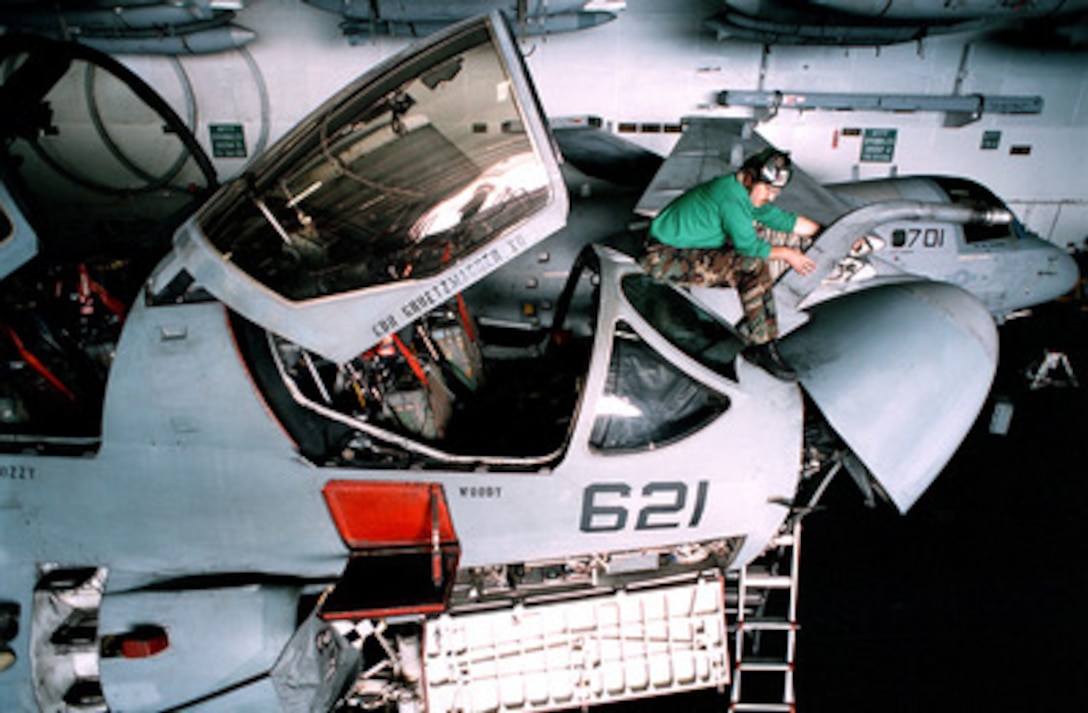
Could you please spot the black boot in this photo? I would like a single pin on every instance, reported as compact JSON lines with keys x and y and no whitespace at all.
{"x":766,"y":357}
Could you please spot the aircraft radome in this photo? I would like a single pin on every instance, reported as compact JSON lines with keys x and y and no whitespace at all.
{"x":296,"y":472}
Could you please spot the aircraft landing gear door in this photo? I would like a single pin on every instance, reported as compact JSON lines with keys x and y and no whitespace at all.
{"x":404,"y":551}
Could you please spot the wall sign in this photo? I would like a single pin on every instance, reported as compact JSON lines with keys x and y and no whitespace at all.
{"x":228,"y":140}
{"x":878,"y":145}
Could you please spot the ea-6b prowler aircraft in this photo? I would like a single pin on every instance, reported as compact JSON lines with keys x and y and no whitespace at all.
{"x":319,"y":483}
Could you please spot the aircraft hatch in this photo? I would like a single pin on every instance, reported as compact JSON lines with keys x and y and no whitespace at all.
{"x":416,"y":181}
{"x":868,"y":361}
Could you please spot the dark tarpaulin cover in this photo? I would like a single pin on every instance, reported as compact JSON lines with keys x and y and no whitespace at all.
{"x":315,"y":669}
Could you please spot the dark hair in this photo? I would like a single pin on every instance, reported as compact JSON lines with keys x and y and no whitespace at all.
{"x":768,"y":166}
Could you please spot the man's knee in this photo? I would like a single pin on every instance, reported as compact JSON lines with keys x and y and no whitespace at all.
{"x":754,"y":274}
{"x":664,"y":264}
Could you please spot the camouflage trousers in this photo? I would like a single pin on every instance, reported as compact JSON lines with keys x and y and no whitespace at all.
{"x":753,"y":277}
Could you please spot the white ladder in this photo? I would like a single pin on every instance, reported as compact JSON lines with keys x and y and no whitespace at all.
{"x":766,"y":626}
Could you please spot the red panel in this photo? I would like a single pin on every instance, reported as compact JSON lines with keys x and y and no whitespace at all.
{"x":142,"y":645}
{"x":382,"y":514}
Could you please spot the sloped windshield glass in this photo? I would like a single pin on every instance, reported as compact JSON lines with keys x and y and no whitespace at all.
{"x":396,"y":182}
{"x":647,"y":401}
{"x":687,"y":327}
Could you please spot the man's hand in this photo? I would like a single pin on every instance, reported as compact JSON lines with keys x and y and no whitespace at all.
{"x":796,"y":259}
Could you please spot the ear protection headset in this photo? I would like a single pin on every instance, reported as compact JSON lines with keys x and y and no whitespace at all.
{"x":769,"y":166}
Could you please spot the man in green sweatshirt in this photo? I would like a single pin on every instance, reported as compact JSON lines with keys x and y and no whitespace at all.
{"x":707,"y":237}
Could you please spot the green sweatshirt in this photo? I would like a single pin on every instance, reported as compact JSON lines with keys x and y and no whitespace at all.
{"x":708,"y":214}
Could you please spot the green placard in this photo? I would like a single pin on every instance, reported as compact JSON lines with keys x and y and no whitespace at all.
{"x":991,"y":140}
{"x":878,"y":145}
{"x":228,"y":140}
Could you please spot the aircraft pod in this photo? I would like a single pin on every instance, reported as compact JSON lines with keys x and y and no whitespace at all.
{"x":317,"y":476}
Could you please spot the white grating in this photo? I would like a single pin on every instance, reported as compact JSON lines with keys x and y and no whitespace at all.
{"x":579,"y":653}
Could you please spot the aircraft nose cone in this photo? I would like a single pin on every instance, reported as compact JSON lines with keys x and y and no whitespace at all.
{"x":1062,"y":271}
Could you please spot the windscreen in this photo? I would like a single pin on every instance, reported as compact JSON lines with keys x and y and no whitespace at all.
{"x":648,"y":402}
{"x":687,"y":327}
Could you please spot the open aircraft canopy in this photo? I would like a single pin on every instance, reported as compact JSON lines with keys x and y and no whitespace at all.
{"x":417,"y":180}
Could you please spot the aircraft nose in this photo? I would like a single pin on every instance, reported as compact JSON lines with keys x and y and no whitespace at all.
{"x":1060,"y":271}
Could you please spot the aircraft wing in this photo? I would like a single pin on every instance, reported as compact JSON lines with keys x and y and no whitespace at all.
{"x":711,"y":147}
{"x":603,"y":154}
